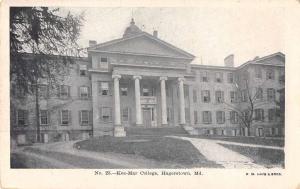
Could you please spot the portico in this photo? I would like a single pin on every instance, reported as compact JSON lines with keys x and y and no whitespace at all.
{"x":150,"y":100}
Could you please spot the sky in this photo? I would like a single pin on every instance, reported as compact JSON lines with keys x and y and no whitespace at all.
{"x":209,"y":33}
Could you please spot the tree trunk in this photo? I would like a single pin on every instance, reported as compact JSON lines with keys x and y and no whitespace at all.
{"x":37,"y":111}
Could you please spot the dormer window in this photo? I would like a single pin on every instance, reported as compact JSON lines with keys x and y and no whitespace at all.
{"x":82,"y":70}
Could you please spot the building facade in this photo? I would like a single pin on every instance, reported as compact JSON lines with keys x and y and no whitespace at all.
{"x":140,"y":80}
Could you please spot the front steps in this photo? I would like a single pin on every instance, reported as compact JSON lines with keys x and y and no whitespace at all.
{"x":155,"y":131}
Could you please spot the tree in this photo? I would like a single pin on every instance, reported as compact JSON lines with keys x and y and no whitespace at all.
{"x":281,"y":102}
{"x":249,"y":99}
{"x":41,"y":43}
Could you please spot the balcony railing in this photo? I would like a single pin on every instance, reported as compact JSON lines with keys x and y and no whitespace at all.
{"x":148,"y":100}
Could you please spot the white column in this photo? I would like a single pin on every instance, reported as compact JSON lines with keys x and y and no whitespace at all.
{"x":163,"y":100}
{"x":181,"y":99}
{"x":117,"y":100}
{"x":137,"y":100}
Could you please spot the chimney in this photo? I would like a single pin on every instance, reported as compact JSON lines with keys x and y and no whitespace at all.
{"x":92,"y":43}
{"x":229,"y":61}
{"x":155,"y":33}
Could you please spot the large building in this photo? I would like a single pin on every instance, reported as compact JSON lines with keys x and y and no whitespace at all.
{"x":141,"y":81}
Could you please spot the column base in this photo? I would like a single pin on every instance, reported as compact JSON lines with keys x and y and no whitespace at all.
{"x":138,"y":124}
{"x":164,"y":125}
{"x":119,"y":131}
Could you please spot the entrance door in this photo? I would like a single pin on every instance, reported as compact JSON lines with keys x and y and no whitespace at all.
{"x":147,"y":117}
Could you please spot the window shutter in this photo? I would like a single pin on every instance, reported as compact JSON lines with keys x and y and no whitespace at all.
{"x":49,"y":117}
{"x":69,"y":91}
{"x":100,"y":114}
{"x":26,"y":116}
{"x":202,"y":96}
{"x":70,"y":117}
{"x":78,"y":69}
{"x":262,"y":113}
{"x":221,"y":75}
{"x":78,"y":91}
{"x":59,"y":116}
{"x":58,"y":91}
{"x":89,"y":92}
{"x":210,"y":118}
{"x":110,"y":112}
{"x":110,"y":88}
{"x":79,"y":117}
{"x":90,"y":117}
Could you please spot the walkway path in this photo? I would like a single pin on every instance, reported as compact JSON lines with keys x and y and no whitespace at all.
{"x":249,"y":145}
{"x":221,"y":155}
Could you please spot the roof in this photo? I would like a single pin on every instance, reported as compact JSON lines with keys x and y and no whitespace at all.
{"x":183,"y":53}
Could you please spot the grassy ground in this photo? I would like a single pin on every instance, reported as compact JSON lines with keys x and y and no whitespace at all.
{"x":247,"y":140}
{"x":261,"y":156}
{"x":161,"y":149}
{"x":22,"y":161}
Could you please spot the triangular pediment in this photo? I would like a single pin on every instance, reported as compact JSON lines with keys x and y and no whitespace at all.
{"x":143,"y":44}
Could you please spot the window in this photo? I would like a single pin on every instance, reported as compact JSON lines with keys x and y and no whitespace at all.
{"x":84,"y":92}
{"x":146,"y":92}
{"x":219,"y":77}
{"x":44,"y":117}
{"x":204,"y":76}
{"x":244,"y":95}
{"x":195,"y":117}
{"x":258,"y":72}
{"x":20,"y":92}
{"x":246,"y":115}
{"x":219,"y":96}
{"x":104,"y":88}
{"x":220,"y":116}
{"x":233,"y":117}
{"x":230,"y":77}
{"x":259,"y":94}
{"x":22,"y":117}
{"x":271,"y":94}
{"x":44,"y":91}
{"x":84,"y":117}
{"x":271,"y":115}
{"x":259,"y":114}
{"x":82,"y":70}
{"x":281,"y":77}
{"x":206,"y":117}
{"x":106,"y":114}
{"x":206,"y":96}
{"x":64,"y":91}
{"x":233,"y":96}
{"x":270,"y":74}
{"x":124,"y":91}
{"x":194,"y":95}
{"x":103,"y":63}
{"x":125,"y":114}
{"x":65,"y":117}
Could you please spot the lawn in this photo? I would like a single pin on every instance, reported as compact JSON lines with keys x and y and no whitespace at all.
{"x":161,"y":149}
{"x":262,"y":156}
{"x":247,"y":140}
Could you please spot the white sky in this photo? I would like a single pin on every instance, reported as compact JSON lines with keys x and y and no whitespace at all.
{"x":210,"y":33}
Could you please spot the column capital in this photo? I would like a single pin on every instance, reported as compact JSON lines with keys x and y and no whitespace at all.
{"x":116,"y":76}
{"x":163,"y":78}
{"x":181,"y":79}
{"x":137,"y":77}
